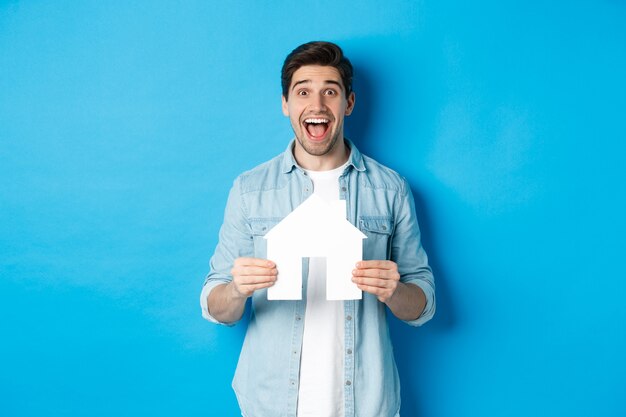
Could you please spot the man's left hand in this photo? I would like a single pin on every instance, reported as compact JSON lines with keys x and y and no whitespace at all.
{"x":377,"y":277}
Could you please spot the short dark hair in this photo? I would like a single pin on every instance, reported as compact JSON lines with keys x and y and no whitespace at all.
{"x":316,"y":53}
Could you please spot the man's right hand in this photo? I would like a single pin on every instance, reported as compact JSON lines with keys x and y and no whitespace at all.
{"x":227,"y":302}
{"x":250,"y":275}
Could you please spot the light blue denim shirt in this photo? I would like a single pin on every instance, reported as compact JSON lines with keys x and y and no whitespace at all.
{"x":379,"y":202}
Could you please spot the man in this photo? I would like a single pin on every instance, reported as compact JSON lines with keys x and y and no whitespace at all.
{"x":315,"y":357}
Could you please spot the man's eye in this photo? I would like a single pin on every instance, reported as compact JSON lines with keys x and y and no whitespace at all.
{"x":302,"y":93}
{"x":330,"y":92}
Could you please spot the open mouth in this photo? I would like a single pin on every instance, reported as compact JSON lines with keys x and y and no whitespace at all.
{"x":316,"y":127}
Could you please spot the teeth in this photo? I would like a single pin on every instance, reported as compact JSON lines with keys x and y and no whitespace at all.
{"x":316,"y":121}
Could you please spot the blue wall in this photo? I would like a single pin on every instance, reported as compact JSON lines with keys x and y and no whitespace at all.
{"x":123,"y":124}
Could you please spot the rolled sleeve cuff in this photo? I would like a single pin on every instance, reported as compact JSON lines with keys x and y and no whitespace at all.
{"x":204,"y":301}
{"x":429,"y":309}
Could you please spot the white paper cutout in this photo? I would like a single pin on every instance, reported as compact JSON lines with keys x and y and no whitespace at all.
{"x":316,"y":228}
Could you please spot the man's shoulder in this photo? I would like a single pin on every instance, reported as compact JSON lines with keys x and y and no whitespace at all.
{"x":267,"y":166}
{"x":266,"y":174}
{"x":378,"y":175}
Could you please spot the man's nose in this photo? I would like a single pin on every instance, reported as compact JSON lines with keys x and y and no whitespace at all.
{"x":319,"y":102}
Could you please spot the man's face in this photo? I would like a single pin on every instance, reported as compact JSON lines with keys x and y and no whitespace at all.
{"x":316,"y":107}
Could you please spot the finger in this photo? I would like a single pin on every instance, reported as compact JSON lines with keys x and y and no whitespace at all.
{"x":253,"y":262}
{"x":385,"y":274}
{"x":371,"y":273}
{"x":372,"y":282}
{"x":377,"y":291}
{"x":254,"y":279}
{"x":253,"y":270}
{"x":248,"y":290}
{"x":256,"y":287}
{"x":376,"y":264}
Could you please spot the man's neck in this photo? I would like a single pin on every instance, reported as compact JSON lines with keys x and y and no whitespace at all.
{"x":333,"y":159}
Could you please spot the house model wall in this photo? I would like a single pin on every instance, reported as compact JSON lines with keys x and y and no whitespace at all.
{"x":316,"y":228}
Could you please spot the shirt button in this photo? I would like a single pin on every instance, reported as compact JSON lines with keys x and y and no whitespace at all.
{"x":348,"y":383}
{"x":298,"y":318}
{"x":349,"y":318}
{"x":349,"y":351}
{"x":343,"y":188}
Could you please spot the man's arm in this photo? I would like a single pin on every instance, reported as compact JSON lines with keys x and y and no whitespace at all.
{"x":408,"y":302}
{"x":226,"y":302}
{"x":234,"y":273}
{"x":405,"y":283}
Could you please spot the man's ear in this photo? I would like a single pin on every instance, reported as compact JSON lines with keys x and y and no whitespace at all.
{"x":350,"y":106}
{"x":285,"y":108}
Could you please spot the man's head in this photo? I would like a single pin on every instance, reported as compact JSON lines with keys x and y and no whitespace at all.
{"x":317,"y":95}
{"x":325,"y":54}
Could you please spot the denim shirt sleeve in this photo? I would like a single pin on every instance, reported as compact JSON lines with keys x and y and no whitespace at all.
{"x":235,"y":240}
{"x":409,"y":255}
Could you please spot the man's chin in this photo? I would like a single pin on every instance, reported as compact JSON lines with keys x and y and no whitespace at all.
{"x":316,"y":148}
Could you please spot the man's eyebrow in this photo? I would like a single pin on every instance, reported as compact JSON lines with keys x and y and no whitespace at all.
{"x":334,"y":82}
{"x":300,"y":82}
{"x":337,"y":83}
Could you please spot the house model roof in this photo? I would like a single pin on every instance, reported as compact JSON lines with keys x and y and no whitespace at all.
{"x":315,"y":218}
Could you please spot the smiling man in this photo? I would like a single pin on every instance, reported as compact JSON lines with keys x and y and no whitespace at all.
{"x":316,"y":109}
{"x":314,"y":357}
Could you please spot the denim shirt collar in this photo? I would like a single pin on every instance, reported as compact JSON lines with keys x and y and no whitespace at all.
{"x":289,"y":161}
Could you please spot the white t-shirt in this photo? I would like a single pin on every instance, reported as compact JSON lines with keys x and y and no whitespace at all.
{"x":321,"y":365}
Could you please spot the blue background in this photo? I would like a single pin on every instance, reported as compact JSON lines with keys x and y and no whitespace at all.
{"x":123,"y":125}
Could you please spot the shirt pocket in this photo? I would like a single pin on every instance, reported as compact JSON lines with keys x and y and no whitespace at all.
{"x":260,"y":227}
{"x":378,"y":230}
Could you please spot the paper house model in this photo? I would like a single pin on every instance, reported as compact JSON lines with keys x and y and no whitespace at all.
{"x":316,"y":228}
